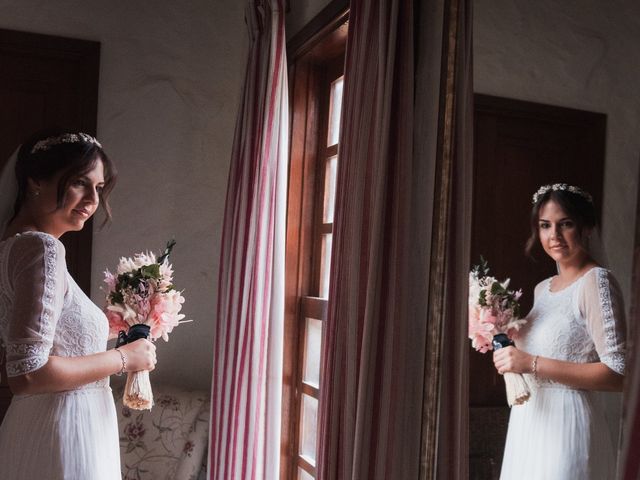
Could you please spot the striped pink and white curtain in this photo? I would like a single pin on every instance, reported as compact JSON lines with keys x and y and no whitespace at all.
{"x":390,"y":198}
{"x":247,"y":369}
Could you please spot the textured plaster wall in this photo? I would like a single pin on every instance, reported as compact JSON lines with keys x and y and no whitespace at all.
{"x":170,"y":82}
{"x":580,"y":55}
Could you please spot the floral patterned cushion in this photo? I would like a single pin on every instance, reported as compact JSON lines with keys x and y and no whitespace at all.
{"x":170,"y":441}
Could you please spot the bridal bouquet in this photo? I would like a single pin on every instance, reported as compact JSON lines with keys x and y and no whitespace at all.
{"x":141,"y":302}
{"x":493,"y":318}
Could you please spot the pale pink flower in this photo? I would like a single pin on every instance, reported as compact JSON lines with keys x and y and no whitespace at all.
{"x":110,"y":279}
{"x":487,"y":316}
{"x":116,"y":322}
{"x":482,"y":343}
{"x":139,"y":260}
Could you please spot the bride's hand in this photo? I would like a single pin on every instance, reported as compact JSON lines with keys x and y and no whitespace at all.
{"x":139,"y":355}
{"x":510,"y":359}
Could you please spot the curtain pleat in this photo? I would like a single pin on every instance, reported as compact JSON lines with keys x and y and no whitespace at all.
{"x":453,"y":419}
{"x":379,"y":315}
{"x":247,"y":364}
{"x":628,"y":458}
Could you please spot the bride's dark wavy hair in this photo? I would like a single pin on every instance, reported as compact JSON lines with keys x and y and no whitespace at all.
{"x":577,"y":208}
{"x":70,"y":160}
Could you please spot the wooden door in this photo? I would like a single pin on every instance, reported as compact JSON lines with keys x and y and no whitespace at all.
{"x":520,"y":146}
{"x":48,"y":82}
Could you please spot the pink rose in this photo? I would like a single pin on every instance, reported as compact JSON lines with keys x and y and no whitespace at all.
{"x":487,"y":316}
{"x":116,"y":322}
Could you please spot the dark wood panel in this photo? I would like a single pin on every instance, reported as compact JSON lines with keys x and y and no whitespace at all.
{"x":314,"y":307}
{"x":48,"y":81}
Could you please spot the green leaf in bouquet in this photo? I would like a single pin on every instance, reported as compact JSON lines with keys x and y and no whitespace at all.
{"x":116,"y":297}
{"x":497,"y":289}
{"x":483,"y":298}
{"x":481,"y":269}
{"x":167,"y":251}
{"x":150,"y":271}
{"x":128,"y":279}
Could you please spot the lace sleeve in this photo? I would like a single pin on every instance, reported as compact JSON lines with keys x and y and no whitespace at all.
{"x":602,"y":306}
{"x":37,"y":276}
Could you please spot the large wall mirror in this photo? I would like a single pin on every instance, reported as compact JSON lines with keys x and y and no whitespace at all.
{"x":555,"y":85}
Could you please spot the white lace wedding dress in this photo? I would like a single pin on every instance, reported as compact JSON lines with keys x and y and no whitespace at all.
{"x":54,"y":436}
{"x":561,"y":432}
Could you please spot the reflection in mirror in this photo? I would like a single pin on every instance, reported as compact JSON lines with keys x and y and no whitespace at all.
{"x":574,"y":120}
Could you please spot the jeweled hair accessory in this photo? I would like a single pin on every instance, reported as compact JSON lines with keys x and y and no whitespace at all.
{"x":561,"y":187}
{"x":49,"y":142}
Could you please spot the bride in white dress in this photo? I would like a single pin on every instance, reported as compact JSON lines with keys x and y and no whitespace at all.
{"x":61,"y":423}
{"x":572,"y":346}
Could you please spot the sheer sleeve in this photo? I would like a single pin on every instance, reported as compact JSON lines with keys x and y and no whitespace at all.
{"x":602,"y":306}
{"x":37,"y":275}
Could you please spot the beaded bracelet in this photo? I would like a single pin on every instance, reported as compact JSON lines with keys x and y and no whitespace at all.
{"x":124,"y":362}
{"x":534,"y":367}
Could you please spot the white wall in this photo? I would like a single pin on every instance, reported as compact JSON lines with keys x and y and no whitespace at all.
{"x":580,"y":55}
{"x":170,"y":82}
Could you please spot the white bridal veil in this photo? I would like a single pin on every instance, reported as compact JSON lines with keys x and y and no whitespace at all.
{"x":8,"y":190}
{"x":596,"y":249}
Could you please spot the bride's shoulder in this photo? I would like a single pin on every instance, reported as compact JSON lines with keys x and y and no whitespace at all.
{"x":599,"y":279}
{"x":597,"y":274}
{"x":544,"y":283}
{"x":36,"y":243}
{"x":541,"y":286}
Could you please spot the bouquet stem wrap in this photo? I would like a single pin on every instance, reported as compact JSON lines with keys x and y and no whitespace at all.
{"x":137,"y":392}
{"x":517,"y":389}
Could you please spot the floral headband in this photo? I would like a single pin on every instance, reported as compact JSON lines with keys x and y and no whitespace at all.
{"x":561,"y":187}
{"x":49,"y":142}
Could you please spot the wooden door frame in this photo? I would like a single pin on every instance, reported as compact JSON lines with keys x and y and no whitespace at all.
{"x":323,"y":38}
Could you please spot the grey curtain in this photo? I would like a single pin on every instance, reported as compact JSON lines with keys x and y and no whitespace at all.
{"x":394,"y":399}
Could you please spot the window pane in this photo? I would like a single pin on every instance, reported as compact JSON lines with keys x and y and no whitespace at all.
{"x":325,"y":265}
{"x":302,"y":475}
{"x":308,"y":428}
{"x":313,"y":343}
{"x":335,"y":108}
{"x":330,"y":189}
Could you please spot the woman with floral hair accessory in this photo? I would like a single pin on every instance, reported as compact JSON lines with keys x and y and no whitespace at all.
{"x":61,"y":423}
{"x":572,"y":346}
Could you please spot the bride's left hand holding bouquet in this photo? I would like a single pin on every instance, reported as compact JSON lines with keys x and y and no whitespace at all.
{"x":141,"y":302}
